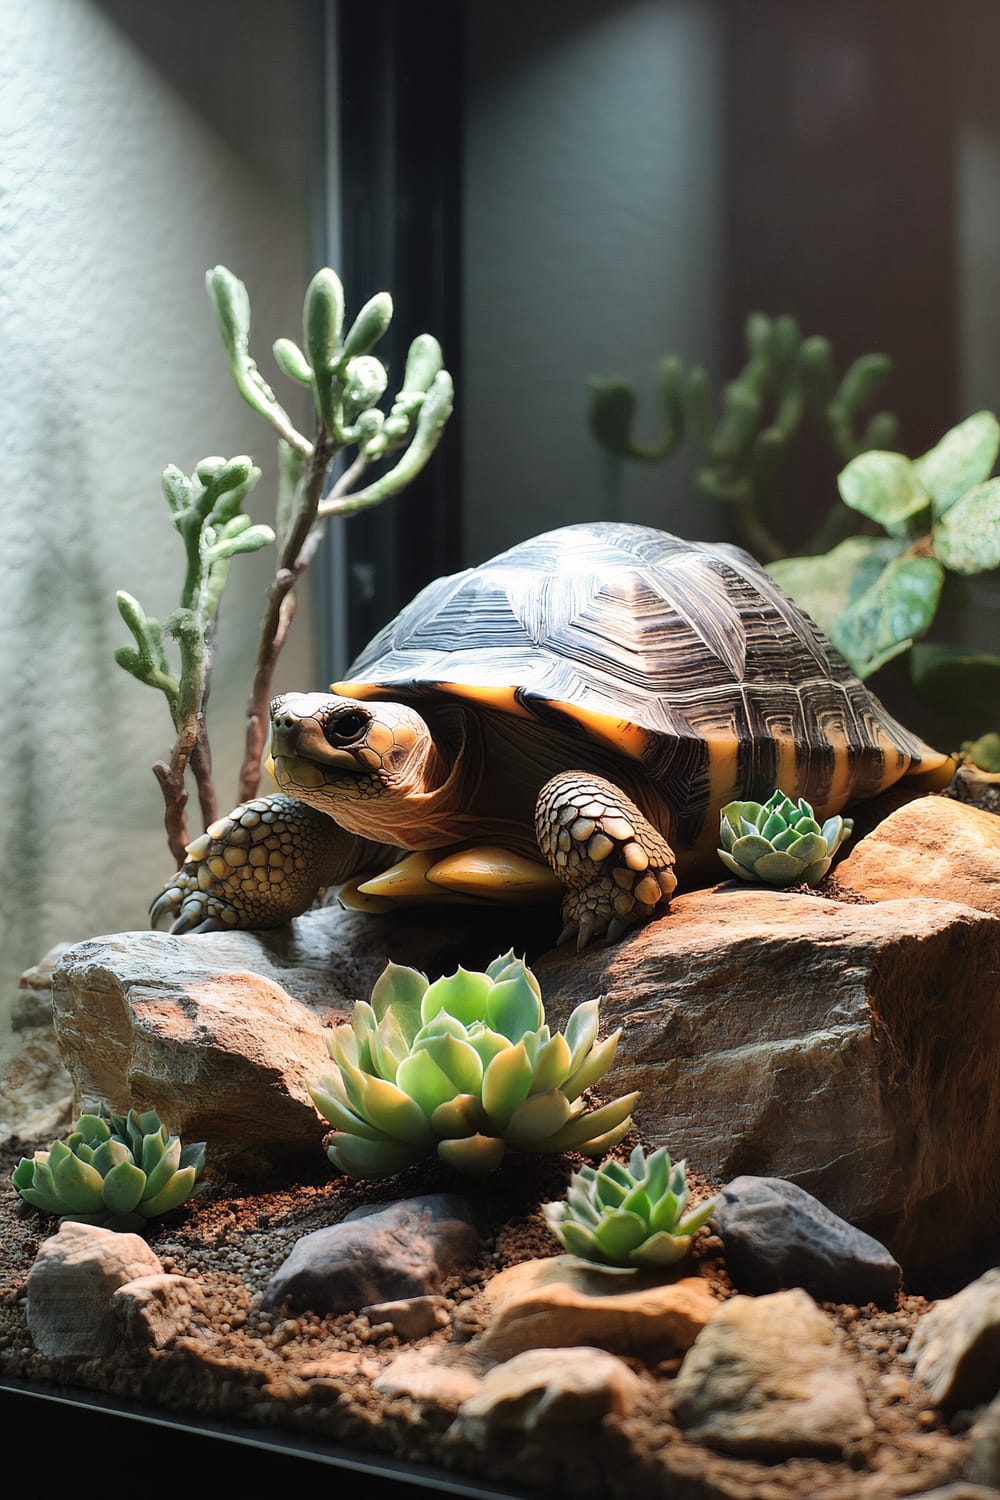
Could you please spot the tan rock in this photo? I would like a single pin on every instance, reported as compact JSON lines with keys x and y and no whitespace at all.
{"x":955,"y":1348}
{"x":545,"y":1388}
{"x":72,"y":1283}
{"x":561,"y":1301}
{"x":767,"y":1379}
{"x":422,"y":1375}
{"x":153,"y":1310}
{"x":409,"y":1317}
{"x":935,"y":847}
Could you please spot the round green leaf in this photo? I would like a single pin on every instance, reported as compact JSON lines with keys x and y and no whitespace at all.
{"x":964,"y":457}
{"x":824,"y":586}
{"x":513,"y":1007}
{"x":420,"y":1077}
{"x":661,"y":1250}
{"x":890,"y":614}
{"x":78,"y":1186}
{"x":968,"y":539}
{"x":460,"y":1063}
{"x":809,"y":847}
{"x":886,"y":488}
{"x":779,"y":869}
{"x":618,"y":1234}
{"x":464,"y":1115}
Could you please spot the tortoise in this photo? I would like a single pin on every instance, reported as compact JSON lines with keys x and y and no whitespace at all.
{"x":566,"y":720}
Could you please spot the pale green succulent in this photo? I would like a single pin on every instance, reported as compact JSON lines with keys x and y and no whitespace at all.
{"x":779,"y":842}
{"x":628,"y":1216}
{"x":465,"y":1068}
{"x":113,"y":1171}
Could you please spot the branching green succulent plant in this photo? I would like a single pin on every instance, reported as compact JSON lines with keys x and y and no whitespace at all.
{"x":760,"y":414}
{"x":114,"y":1171}
{"x":628,"y":1216}
{"x":346,"y":383}
{"x":779,"y":842}
{"x":465,"y":1068}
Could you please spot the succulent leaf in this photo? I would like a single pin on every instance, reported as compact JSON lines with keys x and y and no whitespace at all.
{"x":513,"y":1007}
{"x":462,"y":994}
{"x":476,"y":1155}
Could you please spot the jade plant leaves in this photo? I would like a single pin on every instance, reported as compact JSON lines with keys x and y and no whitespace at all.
{"x":968,"y":539}
{"x":826,"y":585}
{"x":963,"y":458}
{"x":887,"y":488}
{"x":886,"y":619}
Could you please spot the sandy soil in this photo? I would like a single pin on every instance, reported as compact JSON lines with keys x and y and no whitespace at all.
{"x":314,"y":1375}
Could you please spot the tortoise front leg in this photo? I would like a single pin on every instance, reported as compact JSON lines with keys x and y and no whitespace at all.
{"x":260,"y":866}
{"x":616,"y":867}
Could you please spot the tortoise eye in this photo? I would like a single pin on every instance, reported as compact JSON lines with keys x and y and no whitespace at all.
{"x":347,"y":727}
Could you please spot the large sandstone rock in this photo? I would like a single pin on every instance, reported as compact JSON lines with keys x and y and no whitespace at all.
{"x":853,"y":1049}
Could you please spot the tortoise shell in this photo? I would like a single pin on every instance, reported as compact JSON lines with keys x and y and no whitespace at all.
{"x":685,"y":657}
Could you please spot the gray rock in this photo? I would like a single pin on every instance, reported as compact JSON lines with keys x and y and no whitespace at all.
{"x":777,"y":1235}
{"x":767,"y":1379}
{"x":955,"y":1348}
{"x":377,"y":1254}
{"x":72,"y":1284}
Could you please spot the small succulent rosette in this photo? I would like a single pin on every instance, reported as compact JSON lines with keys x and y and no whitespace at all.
{"x":628,"y":1216}
{"x":112,"y":1170}
{"x":464,"y":1068}
{"x":779,"y":842}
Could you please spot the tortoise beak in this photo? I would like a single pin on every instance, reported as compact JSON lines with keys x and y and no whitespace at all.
{"x":300,"y":736}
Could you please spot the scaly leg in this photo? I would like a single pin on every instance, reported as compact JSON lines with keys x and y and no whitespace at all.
{"x":616,"y":867}
{"x":260,"y":866}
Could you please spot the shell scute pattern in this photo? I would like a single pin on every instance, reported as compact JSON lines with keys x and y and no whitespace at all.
{"x":729,"y":685}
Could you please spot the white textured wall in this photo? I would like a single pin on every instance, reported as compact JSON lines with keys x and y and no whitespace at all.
{"x":124,"y":174}
{"x":592,"y":223}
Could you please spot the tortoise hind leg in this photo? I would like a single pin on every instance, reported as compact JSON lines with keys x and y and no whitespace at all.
{"x":616,"y":868}
{"x":259,"y":866}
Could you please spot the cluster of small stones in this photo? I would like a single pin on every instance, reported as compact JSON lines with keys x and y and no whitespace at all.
{"x":488,"y":1356}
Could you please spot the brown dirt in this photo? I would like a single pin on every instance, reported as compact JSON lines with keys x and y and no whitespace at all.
{"x":313,"y":1375}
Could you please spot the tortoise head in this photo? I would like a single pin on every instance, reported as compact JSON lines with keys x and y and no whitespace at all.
{"x":330,"y":751}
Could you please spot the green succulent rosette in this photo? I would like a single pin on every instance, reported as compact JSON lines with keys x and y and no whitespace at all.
{"x":112,"y":1170}
{"x":628,"y":1216}
{"x":779,"y":842}
{"x":464,"y":1068}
